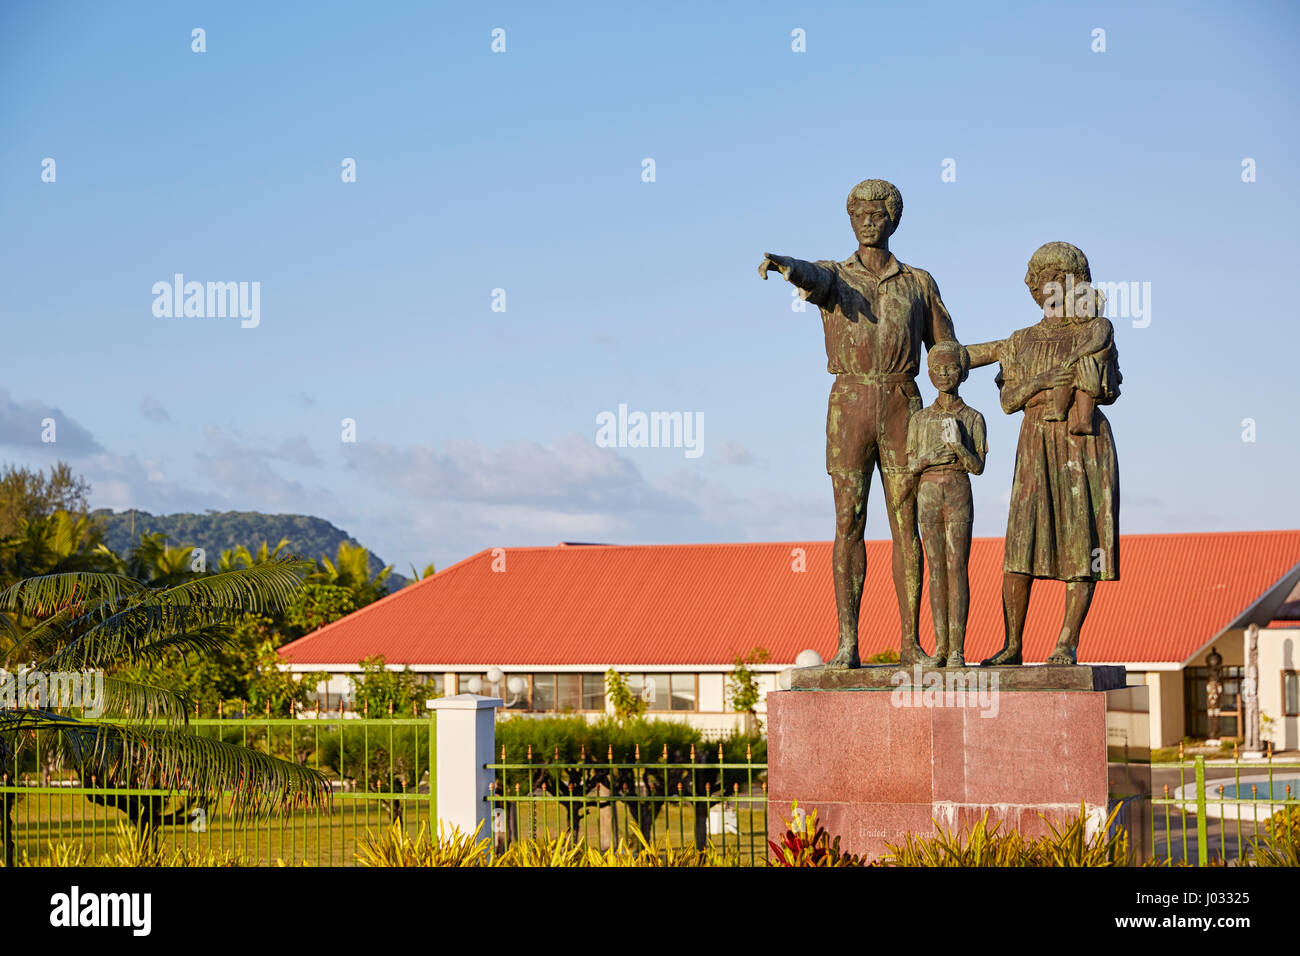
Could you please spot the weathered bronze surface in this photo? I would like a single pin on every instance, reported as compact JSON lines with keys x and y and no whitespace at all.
{"x":1063,"y":522}
{"x":945,"y":445}
{"x":876,"y":314}
{"x":886,"y":677}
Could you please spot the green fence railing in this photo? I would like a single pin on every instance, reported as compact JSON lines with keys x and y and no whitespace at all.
{"x":1217,"y":820}
{"x":703,"y":802}
{"x":380,"y":771}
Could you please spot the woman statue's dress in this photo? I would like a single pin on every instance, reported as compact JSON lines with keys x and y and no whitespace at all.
{"x":1064,"y":516}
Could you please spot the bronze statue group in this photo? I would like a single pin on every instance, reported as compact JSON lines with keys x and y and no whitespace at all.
{"x":1063,"y":521}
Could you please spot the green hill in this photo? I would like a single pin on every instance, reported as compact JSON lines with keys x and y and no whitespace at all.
{"x":215,"y":531}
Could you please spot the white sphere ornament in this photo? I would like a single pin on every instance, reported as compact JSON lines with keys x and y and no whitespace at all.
{"x":474,"y":685}
{"x":808,"y":658}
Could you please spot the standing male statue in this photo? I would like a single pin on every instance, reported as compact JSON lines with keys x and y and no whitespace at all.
{"x":1213,"y":692}
{"x":876,"y":313}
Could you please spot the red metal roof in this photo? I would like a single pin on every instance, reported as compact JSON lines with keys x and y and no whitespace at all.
{"x":702,"y":604}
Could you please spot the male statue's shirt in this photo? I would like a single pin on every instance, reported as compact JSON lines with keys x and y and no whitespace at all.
{"x":875,"y":325}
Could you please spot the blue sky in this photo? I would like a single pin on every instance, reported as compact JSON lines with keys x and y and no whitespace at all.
{"x":522,"y":171}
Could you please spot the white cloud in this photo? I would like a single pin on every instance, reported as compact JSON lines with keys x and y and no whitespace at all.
{"x":21,"y":425}
{"x":153,"y":410}
{"x":569,"y":476}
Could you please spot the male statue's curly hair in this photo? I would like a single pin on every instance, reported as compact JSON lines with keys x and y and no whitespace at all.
{"x":872,"y":189}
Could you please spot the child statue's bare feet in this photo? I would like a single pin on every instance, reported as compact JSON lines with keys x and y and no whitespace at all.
{"x":913,"y":653}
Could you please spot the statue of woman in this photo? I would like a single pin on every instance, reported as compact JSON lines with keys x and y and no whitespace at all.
{"x":1064,"y":516}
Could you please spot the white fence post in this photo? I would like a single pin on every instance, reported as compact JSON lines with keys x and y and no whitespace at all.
{"x":466,"y":738}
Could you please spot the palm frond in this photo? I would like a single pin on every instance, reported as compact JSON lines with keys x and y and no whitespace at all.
{"x":120,"y":755}
{"x":45,"y":594}
{"x":262,"y":587}
{"x":152,"y":619}
{"x":96,"y":620}
{"x":146,"y":702}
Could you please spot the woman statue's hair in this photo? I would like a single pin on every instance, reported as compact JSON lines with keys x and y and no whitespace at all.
{"x":1052,"y":262}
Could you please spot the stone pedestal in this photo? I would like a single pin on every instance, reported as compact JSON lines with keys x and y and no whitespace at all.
{"x":885,"y":755}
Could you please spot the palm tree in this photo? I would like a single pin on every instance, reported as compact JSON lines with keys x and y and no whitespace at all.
{"x":91,"y":621}
{"x":429,"y":571}
{"x":240,"y":556}
{"x":156,"y":562}
{"x":56,"y":542}
{"x":351,"y":569}
{"x":46,"y":544}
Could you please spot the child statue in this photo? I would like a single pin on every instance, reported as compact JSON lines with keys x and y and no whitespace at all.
{"x":1095,"y":337}
{"x":945,"y":445}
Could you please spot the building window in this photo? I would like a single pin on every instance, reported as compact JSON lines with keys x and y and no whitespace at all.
{"x":543,"y":692}
{"x":1291,"y":693}
{"x":654,"y":689}
{"x":593,"y":692}
{"x":432,"y":683}
{"x":665,"y":691}
{"x":568,"y":693}
{"x":683,"y":687}
{"x":1197,"y":720}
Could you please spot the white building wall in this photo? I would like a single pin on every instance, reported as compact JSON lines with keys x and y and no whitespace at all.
{"x":1279,"y":650}
{"x":1165,"y":701}
{"x":711,"y":692}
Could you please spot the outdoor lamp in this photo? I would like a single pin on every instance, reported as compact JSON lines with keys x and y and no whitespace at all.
{"x":808,"y":658}
{"x":474,"y":685}
{"x":494,"y":676}
{"x":517,"y":685}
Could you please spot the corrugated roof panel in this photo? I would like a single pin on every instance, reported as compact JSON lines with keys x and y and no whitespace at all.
{"x":665,"y":605}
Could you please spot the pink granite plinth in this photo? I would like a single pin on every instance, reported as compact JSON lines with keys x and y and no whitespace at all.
{"x":879,"y":764}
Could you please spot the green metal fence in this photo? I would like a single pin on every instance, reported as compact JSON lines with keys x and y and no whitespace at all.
{"x":1216,"y":820}
{"x":703,"y":802}
{"x":380,"y":771}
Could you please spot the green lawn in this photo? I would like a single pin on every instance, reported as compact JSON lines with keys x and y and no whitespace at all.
{"x":48,"y":819}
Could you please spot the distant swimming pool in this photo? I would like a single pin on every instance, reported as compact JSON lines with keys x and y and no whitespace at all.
{"x":1261,"y":786}
{"x":1263,"y":804}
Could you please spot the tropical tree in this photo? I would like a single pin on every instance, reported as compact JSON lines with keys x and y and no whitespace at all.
{"x":314,"y":606}
{"x":241,"y":557}
{"x":92,"y":621}
{"x":61,"y":541}
{"x":626,"y":702}
{"x":157,"y":563}
{"x":48,"y":544}
{"x":743,"y":687}
{"x":380,"y":690}
{"x":429,"y":571}
{"x":351,"y":569}
{"x":243,"y":674}
{"x":27,"y":494}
